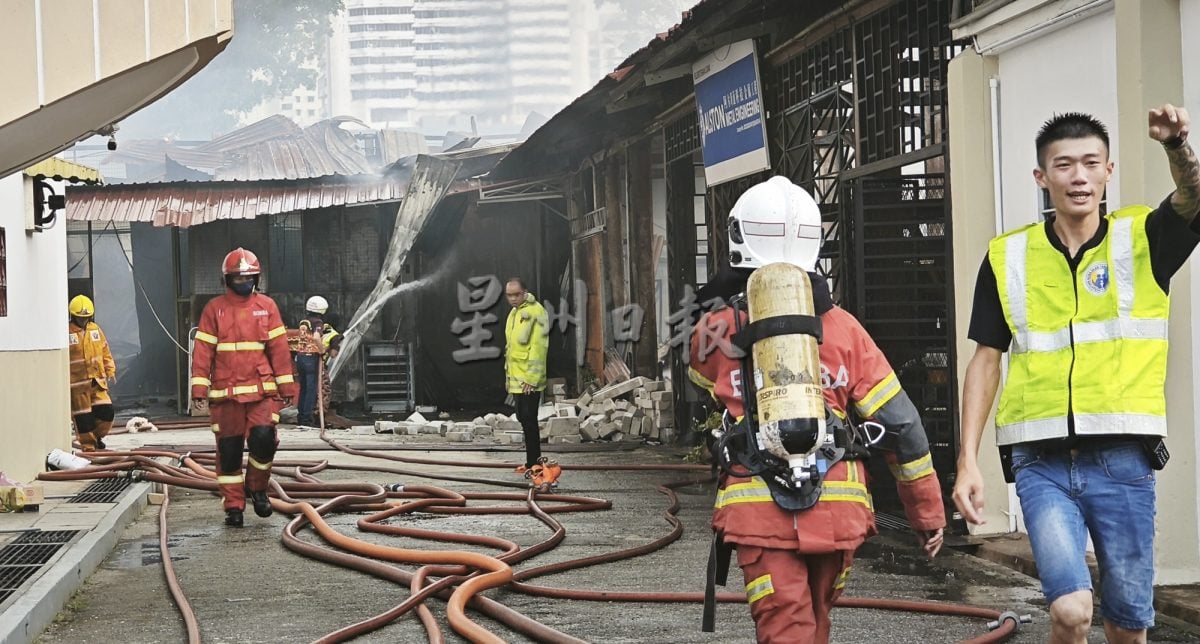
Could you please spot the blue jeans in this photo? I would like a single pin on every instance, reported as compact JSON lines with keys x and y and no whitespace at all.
{"x":306,"y":376}
{"x":1105,"y":490}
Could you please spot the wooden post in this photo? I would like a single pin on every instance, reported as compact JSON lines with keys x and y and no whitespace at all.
{"x":641,"y":249}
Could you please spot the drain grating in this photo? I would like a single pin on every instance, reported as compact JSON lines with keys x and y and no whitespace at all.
{"x":11,"y":578}
{"x":23,"y":557}
{"x":885,"y":520}
{"x":33,"y":553}
{"x":102,"y":491}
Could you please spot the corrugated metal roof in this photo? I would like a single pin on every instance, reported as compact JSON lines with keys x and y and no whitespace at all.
{"x":320,"y":150}
{"x":63,"y":170}
{"x":270,"y":149}
{"x":207,"y":156}
{"x":187,"y":203}
{"x":150,"y":151}
{"x":272,"y":127}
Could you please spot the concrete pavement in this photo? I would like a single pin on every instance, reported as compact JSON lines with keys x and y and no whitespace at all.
{"x":247,"y":588}
{"x":100,"y":526}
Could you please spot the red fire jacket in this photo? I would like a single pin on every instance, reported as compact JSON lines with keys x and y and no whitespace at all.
{"x":853,"y":371}
{"x":241,"y":351}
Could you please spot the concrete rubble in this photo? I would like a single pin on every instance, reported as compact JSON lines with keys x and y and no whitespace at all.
{"x":638,"y":409}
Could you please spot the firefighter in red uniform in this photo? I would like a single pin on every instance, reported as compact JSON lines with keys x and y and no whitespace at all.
{"x":242,"y":367}
{"x":796,"y":562}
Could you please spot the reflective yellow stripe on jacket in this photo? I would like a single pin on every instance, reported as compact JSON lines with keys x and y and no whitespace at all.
{"x":240,"y":346}
{"x":756,"y":491}
{"x":878,"y":396}
{"x":265,"y":386}
{"x":912,"y":470}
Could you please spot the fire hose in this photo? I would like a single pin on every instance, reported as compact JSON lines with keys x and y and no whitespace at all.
{"x":181,"y":601}
{"x":454,"y":576}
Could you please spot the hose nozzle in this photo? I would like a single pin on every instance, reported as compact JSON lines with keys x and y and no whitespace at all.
{"x":1008,"y":615}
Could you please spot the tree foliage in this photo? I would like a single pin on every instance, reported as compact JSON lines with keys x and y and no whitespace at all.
{"x":276,"y":46}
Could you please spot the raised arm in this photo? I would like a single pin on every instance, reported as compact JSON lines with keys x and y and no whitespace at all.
{"x":1169,"y":125}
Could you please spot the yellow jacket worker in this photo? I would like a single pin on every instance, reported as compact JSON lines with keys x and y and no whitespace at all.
{"x":92,"y":367}
{"x":527,"y":341}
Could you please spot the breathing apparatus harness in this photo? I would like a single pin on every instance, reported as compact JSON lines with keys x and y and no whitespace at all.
{"x":794,"y":438}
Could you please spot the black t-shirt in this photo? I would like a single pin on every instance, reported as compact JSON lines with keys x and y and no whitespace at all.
{"x":1171,"y":239}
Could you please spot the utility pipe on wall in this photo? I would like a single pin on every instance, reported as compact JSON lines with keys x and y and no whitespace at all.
{"x":998,"y":206}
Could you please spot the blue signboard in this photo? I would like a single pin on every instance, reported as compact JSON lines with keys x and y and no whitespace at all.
{"x":729,"y":113}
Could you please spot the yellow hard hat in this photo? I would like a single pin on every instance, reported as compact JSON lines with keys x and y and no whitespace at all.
{"x":81,"y":307}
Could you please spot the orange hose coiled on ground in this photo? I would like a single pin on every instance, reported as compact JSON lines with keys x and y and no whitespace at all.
{"x":452,"y":575}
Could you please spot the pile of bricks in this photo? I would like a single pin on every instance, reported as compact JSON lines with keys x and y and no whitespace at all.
{"x":504,"y":429}
{"x":638,"y":409}
{"x":416,"y":425}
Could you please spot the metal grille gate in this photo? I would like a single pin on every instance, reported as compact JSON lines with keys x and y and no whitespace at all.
{"x":873,"y":94}
{"x":816,"y":144}
{"x":902,"y":294}
{"x":681,"y":138}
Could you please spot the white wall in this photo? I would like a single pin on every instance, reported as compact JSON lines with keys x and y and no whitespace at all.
{"x":35,"y":391}
{"x":1028,"y":98}
{"x":1189,"y":19}
{"x":37,"y":277}
{"x":1030,"y":95}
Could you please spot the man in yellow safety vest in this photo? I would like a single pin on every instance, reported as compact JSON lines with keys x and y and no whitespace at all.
{"x":1080,"y":304}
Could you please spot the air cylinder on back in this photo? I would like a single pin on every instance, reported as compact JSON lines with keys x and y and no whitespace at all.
{"x":787,"y":367}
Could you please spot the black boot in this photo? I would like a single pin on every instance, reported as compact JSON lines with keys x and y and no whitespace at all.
{"x":262,"y":503}
{"x":233,"y":518}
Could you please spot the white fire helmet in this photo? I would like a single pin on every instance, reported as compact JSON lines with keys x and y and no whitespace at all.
{"x":317,"y":304}
{"x":775,"y":221}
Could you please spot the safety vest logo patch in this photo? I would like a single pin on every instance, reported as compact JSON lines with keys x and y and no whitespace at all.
{"x":1095,"y":278}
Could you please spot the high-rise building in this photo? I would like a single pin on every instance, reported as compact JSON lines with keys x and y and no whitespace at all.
{"x":462,"y":62}
{"x":303,"y":105}
{"x":438,"y":64}
{"x":539,"y":55}
{"x":372,"y":64}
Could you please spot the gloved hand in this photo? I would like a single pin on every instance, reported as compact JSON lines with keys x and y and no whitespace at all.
{"x":200,"y":403}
